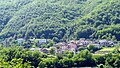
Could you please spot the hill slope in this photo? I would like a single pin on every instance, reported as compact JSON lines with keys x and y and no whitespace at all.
{"x":104,"y":20}
{"x":8,"y":8}
{"x":61,"y":19}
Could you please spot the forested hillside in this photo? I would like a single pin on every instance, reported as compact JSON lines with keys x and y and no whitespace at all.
{"x":102,"y":22}
{"x":60,"y":20}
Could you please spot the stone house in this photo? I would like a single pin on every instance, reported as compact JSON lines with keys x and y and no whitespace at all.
{"x":83,"y":43}
{"x":72,"y":47}
{"x":62,"y":46}
{"x":104,"y":43}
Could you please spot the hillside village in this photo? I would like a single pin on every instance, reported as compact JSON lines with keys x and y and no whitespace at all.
{"x":60,"y":47}
{"x":74,"y":45}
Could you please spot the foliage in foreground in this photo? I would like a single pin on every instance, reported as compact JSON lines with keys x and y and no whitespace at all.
{"x":19,"y":58}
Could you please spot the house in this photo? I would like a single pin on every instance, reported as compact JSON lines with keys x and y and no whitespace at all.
{"x":35,"y":49}
{"x":72,"y":47}
{"x":111,"y":42}
{"x":104,"y":43}
{"x":62,"y":46}
{"x":83,"y":43}
{"x":73,"y":41}
{"x":20,"y":40}
{"x":42,"y":41}
{"x":38,"y":42}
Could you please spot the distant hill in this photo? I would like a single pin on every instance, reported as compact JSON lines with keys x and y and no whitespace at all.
{"x":60,"y":19}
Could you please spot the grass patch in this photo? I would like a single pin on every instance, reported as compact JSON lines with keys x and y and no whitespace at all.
{"x":107,"y":49}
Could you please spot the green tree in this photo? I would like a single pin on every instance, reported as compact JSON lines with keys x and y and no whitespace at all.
{"x":52,"y":51}
{"x":92,"y":48}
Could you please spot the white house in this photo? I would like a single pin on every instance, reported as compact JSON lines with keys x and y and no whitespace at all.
{"x":35,"y":49}
{"x":20,"y":40}
{"x":42,"y":41}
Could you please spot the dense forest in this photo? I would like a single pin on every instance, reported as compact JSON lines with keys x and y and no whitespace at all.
{"x":60,"y":20}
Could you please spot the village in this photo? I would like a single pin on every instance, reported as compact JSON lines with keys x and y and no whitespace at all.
{"x":60,"y":47}
{"x":73,"y":45}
